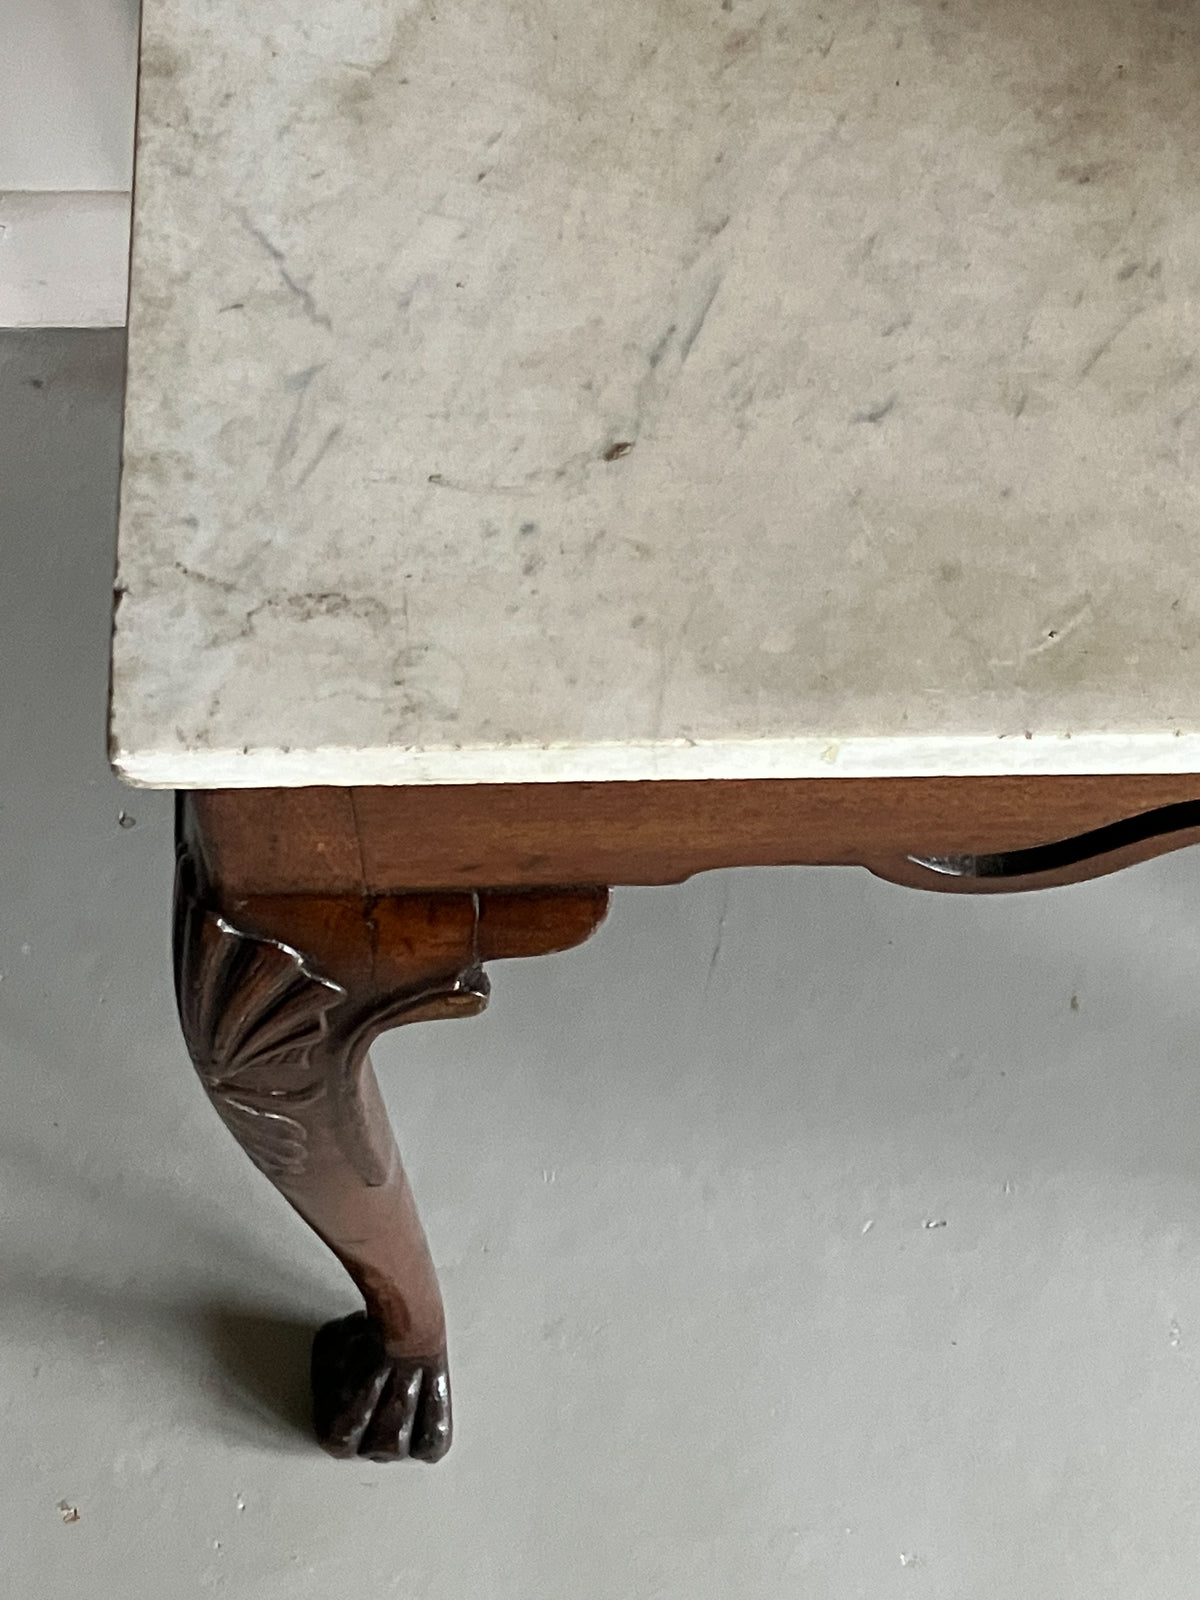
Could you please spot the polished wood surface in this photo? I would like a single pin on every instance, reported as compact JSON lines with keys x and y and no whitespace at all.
{"x":309,"y":920}
{"x":378,"y":841}
{"x":280,"y":997}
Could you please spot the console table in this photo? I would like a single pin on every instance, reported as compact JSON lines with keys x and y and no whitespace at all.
{"x":574,"y":445}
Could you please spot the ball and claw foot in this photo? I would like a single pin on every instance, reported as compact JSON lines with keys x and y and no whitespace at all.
{"x":368,"y":1402}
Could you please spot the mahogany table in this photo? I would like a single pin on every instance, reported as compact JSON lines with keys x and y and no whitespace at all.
{"x":571,"y":445}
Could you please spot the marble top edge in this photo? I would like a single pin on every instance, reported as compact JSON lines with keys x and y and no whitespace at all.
{"x":985,"y":755}
{"x":521,"y":393}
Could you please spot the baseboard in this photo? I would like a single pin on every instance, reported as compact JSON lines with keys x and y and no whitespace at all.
{"x":64,"y":259}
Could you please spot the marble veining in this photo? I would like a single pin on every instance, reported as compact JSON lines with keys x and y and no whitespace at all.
{"x":661,"y":388}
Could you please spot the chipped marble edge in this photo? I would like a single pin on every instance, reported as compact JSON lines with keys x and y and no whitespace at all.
{"x":984,"y":755}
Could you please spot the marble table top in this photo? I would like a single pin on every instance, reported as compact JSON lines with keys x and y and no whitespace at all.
{"x":581,"y":389}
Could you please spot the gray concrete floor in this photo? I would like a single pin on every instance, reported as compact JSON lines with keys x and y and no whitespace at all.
{"x":802,"y":1236}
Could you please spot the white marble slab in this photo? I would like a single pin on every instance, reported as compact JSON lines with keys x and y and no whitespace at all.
{"x":562,"y":389}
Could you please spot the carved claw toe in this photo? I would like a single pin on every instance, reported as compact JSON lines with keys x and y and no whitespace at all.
{"x":368,"y":1402}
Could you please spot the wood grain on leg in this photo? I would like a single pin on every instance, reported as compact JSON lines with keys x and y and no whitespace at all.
{"x":280,"y":997}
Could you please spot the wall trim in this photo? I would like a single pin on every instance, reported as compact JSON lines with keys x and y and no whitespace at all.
{"x":64,"y":258}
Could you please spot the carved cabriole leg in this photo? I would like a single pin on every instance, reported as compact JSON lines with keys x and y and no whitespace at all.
{"x":280,"y":998}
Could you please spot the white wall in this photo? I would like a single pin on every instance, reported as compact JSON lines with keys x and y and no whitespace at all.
{"x":67,"y":94}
